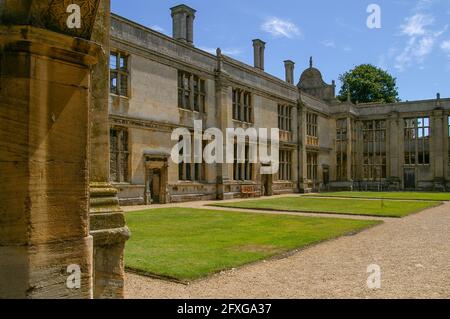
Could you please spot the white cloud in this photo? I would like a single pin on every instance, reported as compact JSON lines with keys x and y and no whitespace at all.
{"x":228,"y":51}
{"x":158,"y":28}
{"x":416,"y":25}
{"x":421,"y":40}
{"x":445,"y":46}
{"x":329,"y":43}
{"x":281,"y":28}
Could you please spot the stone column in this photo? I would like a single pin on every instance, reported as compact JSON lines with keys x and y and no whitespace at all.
{"x":349,"y":151}
{"x":437,"y":147}
{"x":400,"y":150}
{"x":107,"y":220}
{"x":44,"y":107}
{"x":394,"y":150}
{"x":224,"y":115}
{"x":303,"y":174}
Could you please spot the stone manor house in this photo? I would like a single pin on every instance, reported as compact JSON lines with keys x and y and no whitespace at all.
{"x":159,"y":83}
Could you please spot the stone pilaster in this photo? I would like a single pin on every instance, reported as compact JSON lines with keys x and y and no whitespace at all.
{"x":107,"y":220}
{"x":303,"y":174}
{"x":224,"y":116}
{"x":438,"y":141}
{"x":349,"y":150}
{"x":394,"y":151}
{"x":44,"y":107}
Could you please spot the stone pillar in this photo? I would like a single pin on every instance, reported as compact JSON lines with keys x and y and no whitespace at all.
{"x":106,"y":218}
{"x":394,"y":150}
{"x":349,"y":151}
{"x":44,"y":107}
{"x":303,"y":174}
{"x":224,"y":115}
{"x":400,"y":150}
{"x":438,"y":141}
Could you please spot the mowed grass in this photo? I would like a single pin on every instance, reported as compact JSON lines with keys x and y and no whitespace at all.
{"x":390,"y":195}
{"x":187,"y":244}
{"x":365,"y":207}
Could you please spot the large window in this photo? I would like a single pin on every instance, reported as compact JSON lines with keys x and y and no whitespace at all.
{"x":312,"y":163}
{"x":119,"y":155}
{"x":242,"y":106}
{"x":374,"y":156}
{"x":285,"y":169}
{"x":341,"y":149}
{"x":417,"y":141}
{"x":312,"y":131}
{"x":242,"y":171}
{"x":285,"y":118}
{"x":118,"y":65}
{"x":194,"y":172}
{"x":191,"y":92}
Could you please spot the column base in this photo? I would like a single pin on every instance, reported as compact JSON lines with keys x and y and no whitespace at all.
{"x":40,"y":271}
{"x":110,"y":234}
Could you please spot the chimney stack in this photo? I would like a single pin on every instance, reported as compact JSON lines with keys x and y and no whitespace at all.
{"x":259,"y":46}
{"x":289,"y":67}
{"x":183,"y":23}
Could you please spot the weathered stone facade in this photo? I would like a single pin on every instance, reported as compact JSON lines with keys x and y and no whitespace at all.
{"x":62,"y":230}
{"x":326,"y":144}
{"x":77,"y":126}
{"x":44,"y":107}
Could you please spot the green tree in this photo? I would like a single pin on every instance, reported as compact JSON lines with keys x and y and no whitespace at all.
{"x":368,"y":84}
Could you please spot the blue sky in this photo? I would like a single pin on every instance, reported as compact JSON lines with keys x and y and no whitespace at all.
{"x":413,"y":43}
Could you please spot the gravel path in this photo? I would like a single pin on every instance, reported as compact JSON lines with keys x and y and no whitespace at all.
{"x":413,"y":253}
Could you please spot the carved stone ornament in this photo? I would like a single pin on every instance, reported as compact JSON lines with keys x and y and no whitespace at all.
{"x":50,"y":14}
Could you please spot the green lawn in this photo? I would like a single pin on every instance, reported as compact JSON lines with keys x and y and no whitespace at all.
{"x":390,"y":195}
{"x":379,"y":208}
{"x":187,"y":244}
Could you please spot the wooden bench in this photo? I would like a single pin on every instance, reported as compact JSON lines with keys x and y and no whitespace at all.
{"x":248,"y":191}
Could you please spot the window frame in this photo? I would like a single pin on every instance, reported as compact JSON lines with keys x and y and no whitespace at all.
{"x":312,"y":164}
{"x":122,"y":155}
{"x":417,"y":141}
{"x":192,"y":92}
{"x":374,"y":157}
{"x":285,"y":167}
{"x":243,"y":109}
{"x":285,"y":117}
{"x":120,"y":74}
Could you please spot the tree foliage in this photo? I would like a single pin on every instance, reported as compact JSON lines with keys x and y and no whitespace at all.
{"x":368,"y":84}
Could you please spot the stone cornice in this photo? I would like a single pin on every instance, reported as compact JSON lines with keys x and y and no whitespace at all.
{"x":119,"y":120}
{"x":50,"y":44}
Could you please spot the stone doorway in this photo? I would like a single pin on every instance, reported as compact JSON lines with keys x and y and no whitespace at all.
{"x":409,"y":179}
{"x":326,"y":176}
{"x":266,"y":185}
{"x":156,"y":178}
